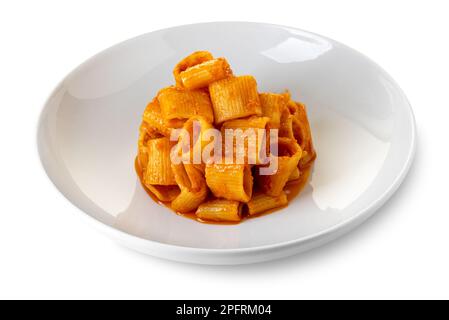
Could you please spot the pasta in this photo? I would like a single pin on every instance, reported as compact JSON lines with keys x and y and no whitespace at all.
{"x":272,"y":104}
{"x":295,"y":175}
{"x":286,"y":124}
{"x":198,"y":141}
{"x":301,"y":126}
{"x":156,"y":123}
{"x":262,"y":202}
{"x":190,"y":61}
{"x":193,"y":188}
{"x":220,"y":210}
{"x":158,"y":169}
{"x":164,"y":193}
{"x":252,"y":142}
{"x":230,"y":181}
{"x":142,"y":152}
{"x":234,"y":97}
{"x":179,"y":103}
{"x":204,"y":143}
{"x":203,"y":74}
{"x":247,"y":123}
{"x":289,"y":154}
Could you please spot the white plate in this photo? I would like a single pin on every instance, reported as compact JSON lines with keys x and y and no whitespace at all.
{"x":362,"y":125}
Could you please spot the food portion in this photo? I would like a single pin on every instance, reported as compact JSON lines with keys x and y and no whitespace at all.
{"x":214,"y":148}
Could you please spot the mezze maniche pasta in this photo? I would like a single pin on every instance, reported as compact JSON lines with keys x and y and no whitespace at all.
{"x":205,"y":141}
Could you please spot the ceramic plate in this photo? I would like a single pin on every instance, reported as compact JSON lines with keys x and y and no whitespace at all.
{"x":362,"y":124}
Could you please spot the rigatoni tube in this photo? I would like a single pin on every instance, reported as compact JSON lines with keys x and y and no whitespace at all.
{"x":179,"y":103}
{"x":260,"y":203}
{"x":203,"y":74}
{"x":230,"y":181}
{"x":159,"y":171}
{"x":220,"y":210}
{"x":234,"y":97}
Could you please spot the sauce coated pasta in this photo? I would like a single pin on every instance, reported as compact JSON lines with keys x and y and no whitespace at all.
{"x":214,"y":148}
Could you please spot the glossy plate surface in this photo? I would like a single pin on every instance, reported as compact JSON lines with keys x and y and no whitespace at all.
{"x":362,"y":125}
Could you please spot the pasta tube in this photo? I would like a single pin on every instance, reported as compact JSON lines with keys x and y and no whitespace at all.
{"x":153,"y":117}
{"x":193,"y":139}
{"x":164,"y":193}
{"x":220,"y":210}
{"x":193,"y":188}
{"x":234,"y":97}
{"x":286,"y":124}
{"x":252,"y":122}
{"x":295,"y":175}
{"x":182,"y":104}
{"x":262,"y":202}
{"x":289,"y":154}
{"x":142,"y":149}
{"x":230,"y":181}
{"x":272,"y":104}
{"x":303,"y":133}
{"x":247,"y":145}
{"x":158,"y":171}
{"x":201,"y":75}
{"x":191,"y":60}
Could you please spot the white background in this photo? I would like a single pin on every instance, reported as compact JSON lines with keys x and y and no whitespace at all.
{"x":47,"y":251}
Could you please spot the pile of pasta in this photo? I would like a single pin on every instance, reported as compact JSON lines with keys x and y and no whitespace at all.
{"x":207,"y":91}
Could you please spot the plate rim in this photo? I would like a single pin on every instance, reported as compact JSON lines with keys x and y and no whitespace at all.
{"x":343,"y":227}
